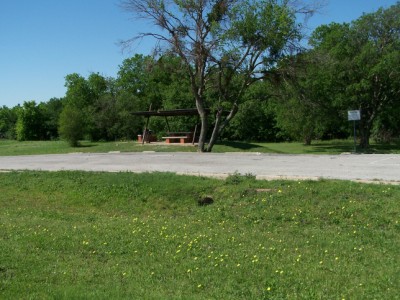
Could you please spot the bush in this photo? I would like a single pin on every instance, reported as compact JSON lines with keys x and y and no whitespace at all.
{"x":237,"y":178}
{"x":71,"y":127}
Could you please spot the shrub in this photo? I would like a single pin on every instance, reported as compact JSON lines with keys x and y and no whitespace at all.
{"x":71,"y":125}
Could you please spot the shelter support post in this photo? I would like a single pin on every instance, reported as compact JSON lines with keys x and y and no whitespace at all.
{"x":146,"y":131}
{"x":166,"y":121}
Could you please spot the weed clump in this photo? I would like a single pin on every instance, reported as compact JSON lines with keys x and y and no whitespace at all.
{"x":237,"y":178}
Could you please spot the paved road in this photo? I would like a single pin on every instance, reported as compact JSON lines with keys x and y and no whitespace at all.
{"x":371,"y":167}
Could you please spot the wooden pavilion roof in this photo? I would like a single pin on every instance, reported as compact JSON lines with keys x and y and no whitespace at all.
{"x":169,"y":113}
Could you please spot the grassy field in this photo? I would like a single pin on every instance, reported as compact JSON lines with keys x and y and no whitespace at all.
{"x":8,"y":147}
{"x":73,"y":235}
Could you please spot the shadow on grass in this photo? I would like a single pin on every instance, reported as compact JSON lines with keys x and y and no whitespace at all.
{"x":328,"y":147}
{"x":349,"y":147}
{"x":85,"y":145}
{"x":385,"y":148}
{"x":239,"y":145}
{"x":317,"y":147}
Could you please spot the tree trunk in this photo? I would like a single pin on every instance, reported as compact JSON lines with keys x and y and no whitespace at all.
{"x":307,"y":140}
{"x":204,"y":125}
{"x":308,"y":135}
{"x":216,"y":131}
{"x":203,"y":133}
{"x":220,"y":125}
{"x":365,"y":132}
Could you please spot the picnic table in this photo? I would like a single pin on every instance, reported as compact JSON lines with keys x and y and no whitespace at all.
{"x":178,"y":137}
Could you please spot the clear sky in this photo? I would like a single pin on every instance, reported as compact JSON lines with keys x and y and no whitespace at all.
{"x":41,"y":41}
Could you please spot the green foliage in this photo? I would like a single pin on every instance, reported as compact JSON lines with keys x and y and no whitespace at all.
{"x":128,"y":125}
{"x":265,"y":27}
{"x":224,"y":47}
{"x":305,"y":100}
{"x":105,"y":106}
{"x":363,"y":57}
{"x":79,"y":93}
{"x":138,"y":236}
{"x":132,"y":74}
{"x":8,"y":120}
{"x":255,"y":119}
{"x":98,"y":85}
{"x":243,"y":63}
{"x":169,"y":84}
{"x":71,"y":126}
{"x":31,"y":122}
{"x":387,"y":125}
{"x":51,"y":111}
{"x":237,"y":178}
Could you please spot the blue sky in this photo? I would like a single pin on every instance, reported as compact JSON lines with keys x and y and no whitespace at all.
{"x":41,"y":41}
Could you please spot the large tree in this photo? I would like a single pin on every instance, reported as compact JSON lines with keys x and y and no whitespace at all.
{"x":303,"y":101}
{"x":84,"y":99}
{"x":225,"y":45}
{"x":364,"y":59}
{"x":51,"y":110}
{"x":31,"y":122}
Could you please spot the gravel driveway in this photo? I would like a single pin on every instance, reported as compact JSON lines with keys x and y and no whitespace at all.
{"x":364,"y":167}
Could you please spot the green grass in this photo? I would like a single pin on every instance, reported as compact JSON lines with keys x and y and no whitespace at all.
{"x":8,"y":147}
{"x":75,"y":235}
{"x":317,"y":147}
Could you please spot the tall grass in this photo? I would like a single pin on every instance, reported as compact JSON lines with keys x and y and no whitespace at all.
{"x":74,"y":235}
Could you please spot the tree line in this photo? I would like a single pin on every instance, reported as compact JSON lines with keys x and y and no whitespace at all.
{"x":268,"y":90}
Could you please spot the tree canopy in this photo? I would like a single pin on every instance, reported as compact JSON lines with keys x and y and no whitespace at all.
{"x":241,"y":61}
{"x":363,"y":57}
{"x":225,"y":45}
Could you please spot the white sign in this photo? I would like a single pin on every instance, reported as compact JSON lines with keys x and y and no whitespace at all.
{"x":353,"y":115}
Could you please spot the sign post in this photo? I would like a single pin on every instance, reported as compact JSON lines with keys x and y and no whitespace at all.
{"x":354,"y":115}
